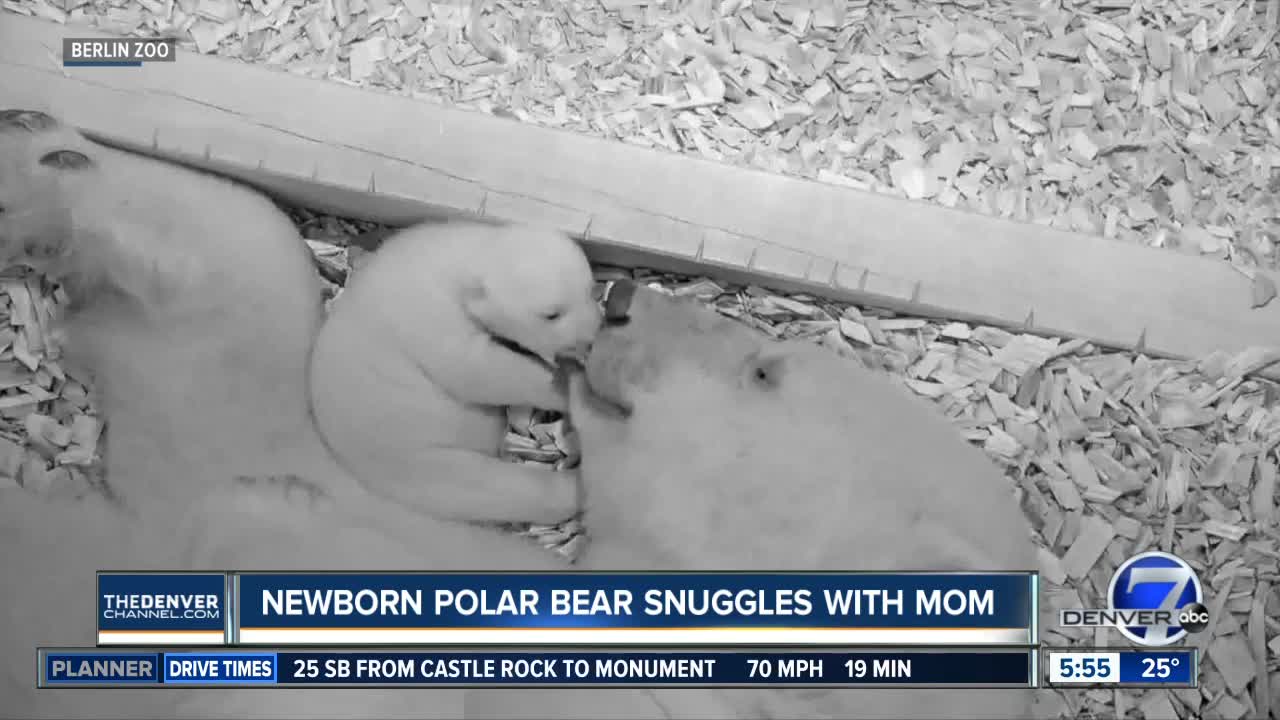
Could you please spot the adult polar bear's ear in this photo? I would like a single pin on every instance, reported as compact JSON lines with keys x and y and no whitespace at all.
{"x":65,"y":160}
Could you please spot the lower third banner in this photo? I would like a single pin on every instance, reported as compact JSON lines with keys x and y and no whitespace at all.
{"x":558,"y":668}
{"x":608,"y":609}
{"x":572,"y":609}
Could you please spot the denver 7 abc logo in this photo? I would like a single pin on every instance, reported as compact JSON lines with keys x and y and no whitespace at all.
{"x":1155,"y":599}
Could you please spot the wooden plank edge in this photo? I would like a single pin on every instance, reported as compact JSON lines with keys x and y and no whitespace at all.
{"x":829,"y":280}
{"x":397,"y":192}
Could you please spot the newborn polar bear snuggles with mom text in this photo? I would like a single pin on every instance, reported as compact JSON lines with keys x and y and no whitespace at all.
{"x":195,"y":305}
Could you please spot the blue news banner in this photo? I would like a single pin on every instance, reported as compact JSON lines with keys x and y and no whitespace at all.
{"x":617,"y":609}
{"x":1008,"y":668}
{"x":716,"y":609}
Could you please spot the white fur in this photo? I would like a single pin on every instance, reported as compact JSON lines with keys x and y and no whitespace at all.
{"x":409,"y":387}
{"x":824,"y":466}
{"x":197,"y":300}
{"x":197,"y":305}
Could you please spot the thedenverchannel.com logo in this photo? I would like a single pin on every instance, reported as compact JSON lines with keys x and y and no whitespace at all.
{"x":1156,"y":599}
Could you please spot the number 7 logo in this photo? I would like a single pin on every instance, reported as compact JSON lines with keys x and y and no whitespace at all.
{"x":1155,"y":581}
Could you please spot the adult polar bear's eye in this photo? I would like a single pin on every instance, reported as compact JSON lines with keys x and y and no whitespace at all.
{"x":765,"y":372}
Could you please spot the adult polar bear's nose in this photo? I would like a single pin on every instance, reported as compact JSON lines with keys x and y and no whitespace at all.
{"x":617,"y":302}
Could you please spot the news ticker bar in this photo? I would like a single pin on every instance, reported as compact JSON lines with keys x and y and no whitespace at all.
{"x":1105,"y":667}
{"x":568,"y":608}
{"x":898,"y":667}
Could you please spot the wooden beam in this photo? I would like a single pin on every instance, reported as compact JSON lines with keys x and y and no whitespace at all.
{"x":373,"y":155}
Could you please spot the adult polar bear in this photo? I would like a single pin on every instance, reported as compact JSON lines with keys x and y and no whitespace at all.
{"x":706,"y":446}
{"x":195,"y":304}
